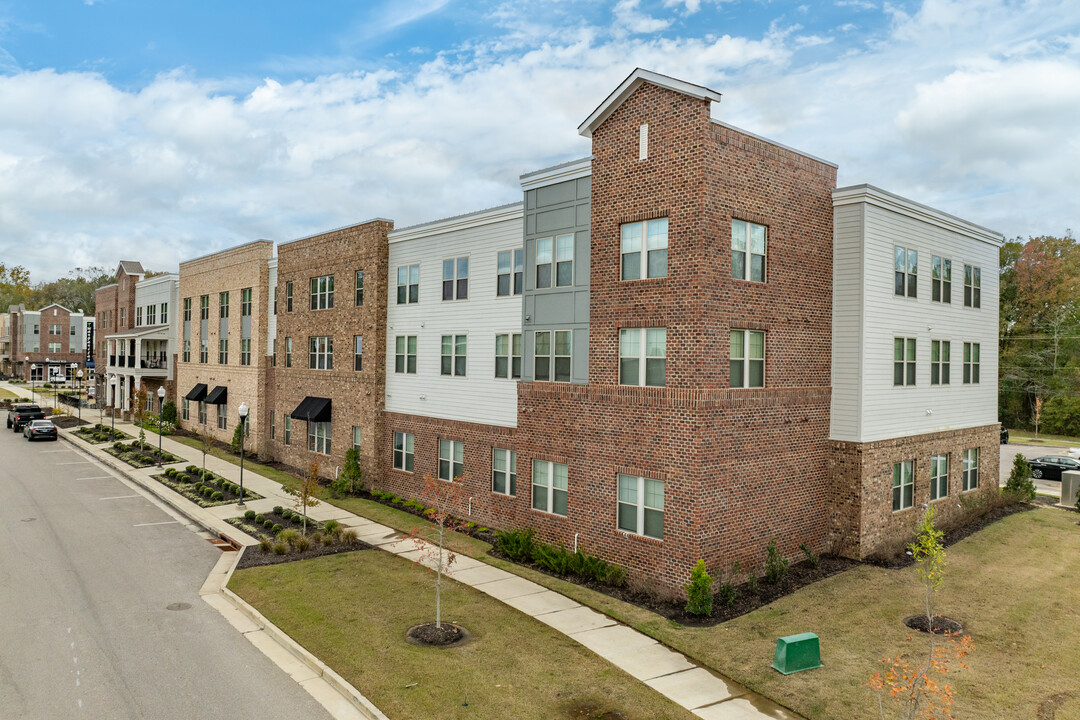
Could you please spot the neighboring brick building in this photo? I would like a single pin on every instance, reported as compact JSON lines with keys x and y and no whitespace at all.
{"x":46,"y":345}
{"x":115,"y":308}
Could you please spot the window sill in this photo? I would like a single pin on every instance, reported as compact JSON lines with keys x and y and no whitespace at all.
{"x":496,"y":493}
{"x":903,"y":510}
{"x":548,"y":514}
{"x":643,"y":538}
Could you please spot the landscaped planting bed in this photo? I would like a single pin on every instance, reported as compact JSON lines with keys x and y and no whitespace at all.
{"x":203,"y":487}
{"x":141,"y":456}
{"x":98,"y":434}
{"x":282,"y":537}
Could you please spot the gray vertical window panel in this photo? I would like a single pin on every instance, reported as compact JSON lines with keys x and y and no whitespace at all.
{"x":223,"y":328}
{"x":245,"y":326}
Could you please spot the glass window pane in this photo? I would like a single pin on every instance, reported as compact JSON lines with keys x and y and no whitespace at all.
{"x":738,"y":265}
{"x":738,"y":235}
{"x":562,"y":342}
{"x":503,"y":285}
{"x":462,"y":268}
{"x":459,"y":452}
{"x":911,"y":350}
{"x":447,"y":344}
{"x":657,"y":234}
{"x":543,"y":343}
{"x":516,"y":344}
{"x":543,"y":250}
{"x":460,"y":342}
{"x":540,"y":472}
{"x":564,"y":273}
{"x":757,"y":373}
{"x":631,"y":266}
{"x":501,"y":364}
{"x":448,"y":270}
{"x":899,"y":257}
{"x":629,"y":342}
{"x":947,"y":270}
{"x":656,"y":342}
{"x":519,"y":260}
{"x":975,"y":352}
{"x":627,"y":517}
{"x":737,"y":374}
{"x":543,"y":276}
{"x":628,"y":489}
{"x":737,"y":347}
{"x":504,"y":262}
{"x":412,"y":344}
{"x":658,"y":263}
{"x":498,"y":482}
{"x":757,"y":268}
{"x":976,"y":277}
{"x":559,"y":475}
{"x":757,"y":239}
{"x":631,"y":237}
{"x":414,"y":274}
{"x":654,"y":494}
{"x":502,"y":344}
{"x":558,"y":502}
{"x":539,"y":498}
{"x":498,"y":459}
{"x":542,"y":368}
{"x":655,"y":369}
{"x":654,"y":524}
{"x":564,"y":247}
{"x":562,"y":369}
{"x":628,"y":371}
{"x":757,"y":345}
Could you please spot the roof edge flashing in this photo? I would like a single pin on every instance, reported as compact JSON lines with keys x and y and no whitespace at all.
{"x":633,"y":81}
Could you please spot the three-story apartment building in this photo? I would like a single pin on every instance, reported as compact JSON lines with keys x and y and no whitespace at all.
{"x":46,"y":345}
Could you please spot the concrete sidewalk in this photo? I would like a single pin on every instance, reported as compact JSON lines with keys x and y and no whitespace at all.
{"x":701,"y":691}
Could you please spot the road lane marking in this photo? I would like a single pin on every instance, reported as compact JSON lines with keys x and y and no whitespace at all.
{"x":119,"y":497}
{"x":77,"y":462}
{"x":46,"y":452}
{"x":166,"y":522}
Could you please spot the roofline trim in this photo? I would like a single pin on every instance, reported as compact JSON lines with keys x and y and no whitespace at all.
{"x":582,"y":167}
{"x":867,"y":193}
{"x":479,"y":218}
{"x":230,"y":249}
{"x":337,"y":229}
{"x":633,"y":81}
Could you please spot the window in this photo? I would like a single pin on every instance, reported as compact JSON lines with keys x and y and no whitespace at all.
{"x":543,"y":262}
{"x":202,"y":413}
{"x":356,"y":438}
{"x":403,"y":451}
{"x":321,"y":353}
{"x":941,"y":279}
{"x":204,"y":307}
{"x":288,"y":352}
{"x":903,"y":361}
{"x":647,"y":239}
{"x":151,"y":315}
{"x":972,"y":286}
{"x":504,"y":471}
{"x":641,"y":506}
{"x":971,"y":469}
{"x":971,"y":363}
{"x":149,"y":402}
{"x":939,"y":362}
{"x":245,"y":351}
{"x":510,"y":272}
{"x":318,"y":437}
{"x":747,"y":243}
{"x":223,"y":351}
{"x":138,"y":317}
{"x":245,"y":302}
{"x":549,"y":485}
{"x":72,"y":329}
{"x":273,"y":353}
{"x":54,"y":329}
{"x":185,"y":409}
{"x":322,"y":292}
{"x":451,"y":459}
{"x":907,"y":270}
{"x":54,"y":347}
{"x":359,"y":288}
{"x":187,"y":309}
{"x":564,"y":260}
{"x":223,"y":305}
{"x":548,"y":353}
{"x":204,"y":352}
{"x":273,"y":426}
{"x":222,"y":416}
{"x":38,"y":332}
{"x":939,"y":476}
{"x":405,"y":354}
{"x":508,"y":355}
{"x":164,"y":313}
{"x":288,"y":296}
{"x":642,"y":356}
{"x":408,"y":284}
{"x":455,"y":286}
{"x":453,"y":355}
{"x":747,"y":359}
{"x":903,"y":485}
{"x":288,"y":429}
{"x":274,"y":291}
{"x":123,"y":319}
{"x":358,"y":352}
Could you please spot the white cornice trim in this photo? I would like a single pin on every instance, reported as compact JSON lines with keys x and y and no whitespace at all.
{"x":157,"y":280}
{"x":633,"y":81}
{"x":557,"y":173}
{"x":876,"y":196}
{"x":514,"y":211}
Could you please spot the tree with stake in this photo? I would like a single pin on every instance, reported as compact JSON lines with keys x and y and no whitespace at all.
{"x":305,"y":494}
{"x":140,"y":415}
{"x":206,"y":444}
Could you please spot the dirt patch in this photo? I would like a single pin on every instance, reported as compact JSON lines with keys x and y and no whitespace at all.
{"x":432,"y":636}
{"x":590,"y":711}
{"x":1048,"y":708}
{"x":942,"y":625}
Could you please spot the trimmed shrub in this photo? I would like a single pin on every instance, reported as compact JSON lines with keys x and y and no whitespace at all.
{"x":518,"y":545}
{"x":1019,"y":485}
{"x":249,"y":515}
{"x":275,"y":529}
{"x":217,"y":496}
{"x":120,"y":447}
{"x":277,"y":510}
{"x":555,"y":558}
{"x":332,"y":527}
{"x":776,"y":566}
{"x":169,"y":472}
{"x":191,"y":469}
{"x":268,"y":523}
{"x":260,"y":519}
{"x":699,"y":598}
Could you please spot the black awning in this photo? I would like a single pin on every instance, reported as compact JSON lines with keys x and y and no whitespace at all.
{"x":312,"y":409}
{"x":197,"y":393}
{"x":218,"y":396}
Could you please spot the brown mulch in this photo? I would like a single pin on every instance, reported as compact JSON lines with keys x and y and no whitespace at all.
{"x":429,"y":634}
{"x":942,"y":625}
{"x":253,"y":556}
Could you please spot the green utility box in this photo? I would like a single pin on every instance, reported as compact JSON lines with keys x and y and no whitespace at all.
{"x":797,"y":652}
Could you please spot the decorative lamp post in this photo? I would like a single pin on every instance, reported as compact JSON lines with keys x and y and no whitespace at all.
{"x":78,"y":398}
{"x":33,"y":381}
{"x":47,"y":361}
{"x":243,"y":412}
{"x":112,"y":407}
{"x":161,"y":404}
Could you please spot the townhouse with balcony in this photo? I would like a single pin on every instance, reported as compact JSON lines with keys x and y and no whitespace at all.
{"x":46,"y":345}
{"x":115,"y":311}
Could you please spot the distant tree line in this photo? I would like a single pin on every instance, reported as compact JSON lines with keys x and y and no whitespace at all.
{"x":74,"y":291}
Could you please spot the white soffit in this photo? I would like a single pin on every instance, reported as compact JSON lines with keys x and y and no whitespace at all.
{"x":635,"y":80}
{"x":888,"y":201}
{"x":556,"y":174}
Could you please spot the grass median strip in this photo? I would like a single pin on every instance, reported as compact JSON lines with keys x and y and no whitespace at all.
{"x":352,"y":611}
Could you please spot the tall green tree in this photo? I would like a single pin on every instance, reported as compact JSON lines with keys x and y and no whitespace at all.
{"x":14,"y":285}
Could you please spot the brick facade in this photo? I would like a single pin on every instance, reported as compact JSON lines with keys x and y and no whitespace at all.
{"x":24,"y":356}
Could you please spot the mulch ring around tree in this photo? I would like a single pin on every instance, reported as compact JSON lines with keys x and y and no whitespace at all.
{"x":428,"y":634}
{"x":942,"y":625}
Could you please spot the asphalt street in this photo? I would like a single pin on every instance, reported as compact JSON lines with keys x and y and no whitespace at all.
{"x":100,"y":615}
{"x":1009,"y":453}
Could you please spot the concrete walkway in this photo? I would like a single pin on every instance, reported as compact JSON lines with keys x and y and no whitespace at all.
{"x":703,"y":692}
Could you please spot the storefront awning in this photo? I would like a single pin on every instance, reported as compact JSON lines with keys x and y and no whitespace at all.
{"x":197,"y":393}
{"x":312,"y":409}
{"x":218,"y":396}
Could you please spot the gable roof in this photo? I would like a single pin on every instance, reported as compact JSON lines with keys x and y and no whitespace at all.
{"x":130,"y":267}
{"x":633,"y":81}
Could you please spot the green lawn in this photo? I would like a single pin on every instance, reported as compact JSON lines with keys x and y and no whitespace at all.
{"x":353,"y":610}
{"x":1027,"y":438}
{"x":8,"y":395}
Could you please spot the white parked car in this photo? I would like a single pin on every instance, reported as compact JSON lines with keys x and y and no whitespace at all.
{"x":1074,"y":453}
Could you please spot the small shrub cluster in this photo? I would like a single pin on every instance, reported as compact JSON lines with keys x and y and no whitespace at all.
{"x":1020,"y":485}
{"x":776,"y":566}
{"x":282,"y":541}
{"x":521,"y":546}
{"x":699,"y":597}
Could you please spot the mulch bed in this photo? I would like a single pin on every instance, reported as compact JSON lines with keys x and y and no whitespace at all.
{"x":942,"y":625}
{"x":255,"y":557}
{"x":429,"y":634}
{"x":184,"y":484}
{"x":261,"y":531}
{"x":128,"y":456}
{"x":87,"y":433}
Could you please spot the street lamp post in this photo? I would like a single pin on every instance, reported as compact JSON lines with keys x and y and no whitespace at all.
{"x":33,"y":382}
{"x":78,"y":397}
{"x":161,"y":404}
{"x":47,"y":361}
{"x":112,"y":408}
{"x":243,"y":411}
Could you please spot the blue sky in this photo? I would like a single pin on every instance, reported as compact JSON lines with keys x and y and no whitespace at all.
{"x":160,"y":131}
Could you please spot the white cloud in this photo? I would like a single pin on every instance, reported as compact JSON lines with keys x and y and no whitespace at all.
{"x":631,"y":20}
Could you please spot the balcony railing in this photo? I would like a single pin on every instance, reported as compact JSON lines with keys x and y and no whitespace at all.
{"x":153,"y":363}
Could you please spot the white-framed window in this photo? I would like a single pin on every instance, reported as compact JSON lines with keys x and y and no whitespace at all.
{"x":54,"y":330}
{"x":903,"y":485}
{"x":906,"y":272}
{"x":641,"y":506}
{"x":245,"y":351}
{"x":549,"y":487}
{"x":222,"y":416}
{"x":971,"y":469}
{"x":453,"y":355}
{"x":359,"y":288}
{"x":552,"y":355}
{"x":54,"y":347}
{"x":164,"y":313}
{"x":318,"y":438}
{"x":187,"y":309}
{"x":204,"y":307}
{"x":642,"y":356}
{"x":356,"y":438}
{"x":358,"y":352}
{"x":903,"y":361}
{"x":321,"y":352}
{"x":455,"y":282}
{"x":288,"y":352}
{"x":151,"y":314}
{"x":288,"y":296}
{"x":273,"y":352}
{"x":643,"y":249}
{"x":403,"y":451}
{"x":123,"y":320}
{"x":405,"y":354}
{"x":971,"y":363}
{"x":288,"y":429}
{"x":555,"y":251}
{"x":72,"y":329}
{"x":939,"y":476}
{"x":138,"y":318}
{"x":223,"y":305}
{"x":939,"y":362}
{"x":223,"y":351}
{"x":748,"y":243}
{"x":504,"y":471}
{"x":508,"y":355}
{"x":322,"y":292}
{"x":747,"y":358}
{"x":185,"y":409}
{"x":245,"y":302}
{"x":408,"y":284}
{"x":202,"y":413}
{"x":451,"y":459}
{"x":940,"y":279}
{"x":149,"y":402}
{"x":273,"y":426}
{"x":204,"y":351}
{"x":972,"y":286}
{"x":510,"y":271}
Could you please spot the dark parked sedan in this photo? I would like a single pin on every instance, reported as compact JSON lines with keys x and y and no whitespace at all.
{"x":1051,"y":466}
{"x":40,"y":430}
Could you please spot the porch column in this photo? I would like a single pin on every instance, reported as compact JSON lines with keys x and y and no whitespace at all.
{"x":138,"y":352}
